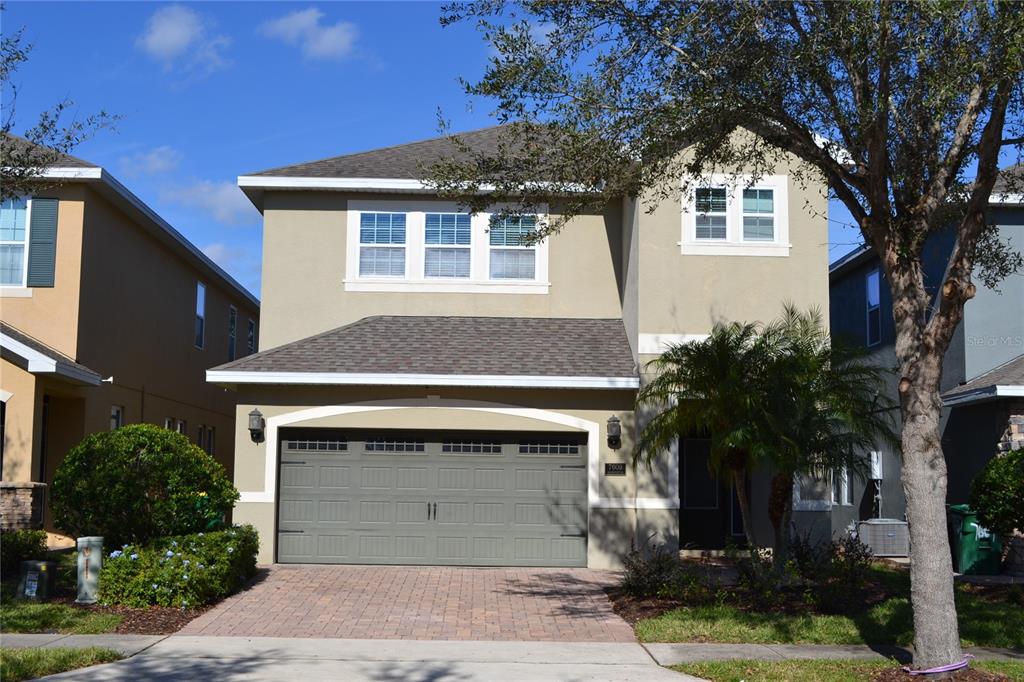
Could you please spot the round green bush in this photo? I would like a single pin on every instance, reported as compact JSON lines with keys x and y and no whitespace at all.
{"x":997,"y":494}
{"x":138,"y":483}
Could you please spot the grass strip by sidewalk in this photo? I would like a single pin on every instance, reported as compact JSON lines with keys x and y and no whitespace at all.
{"x":817,"y":670}
{"x":28,"y":664}
{"x":18,"y":615}
{"x":982,"y":623}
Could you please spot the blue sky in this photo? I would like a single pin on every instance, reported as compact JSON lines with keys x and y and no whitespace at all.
{"x":210,"y":91}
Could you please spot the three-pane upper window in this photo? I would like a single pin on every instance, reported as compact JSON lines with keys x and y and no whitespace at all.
{"x":512,"y":255}
{"x":13,"y":241}
{"x":385,"y":233}
{"x":430,"y":246}
{"x":448,"y":238}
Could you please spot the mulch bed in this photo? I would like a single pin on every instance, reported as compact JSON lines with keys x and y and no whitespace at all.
{"x":153,"y":620}
{"x":634,"y":609}
{"x":968,"y":675}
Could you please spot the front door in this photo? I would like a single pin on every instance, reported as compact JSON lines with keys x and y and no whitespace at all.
{"x":709,"y":513}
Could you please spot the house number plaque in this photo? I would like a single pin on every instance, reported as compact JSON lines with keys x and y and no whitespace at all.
{"x":615,"y":469}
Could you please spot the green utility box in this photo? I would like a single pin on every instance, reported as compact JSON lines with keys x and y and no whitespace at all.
{"x":976,"y":550}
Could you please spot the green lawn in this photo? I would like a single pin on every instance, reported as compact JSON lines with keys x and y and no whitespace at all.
{"x":28,"y":664}
{"x":816,"y":671}
{"x":983,"y":622}
{"x":28,"y":616}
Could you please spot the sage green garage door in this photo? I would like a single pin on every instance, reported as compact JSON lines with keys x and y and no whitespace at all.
{"x":450,"y":498}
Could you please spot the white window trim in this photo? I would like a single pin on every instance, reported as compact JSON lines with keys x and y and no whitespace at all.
{"x":845,"y":493}
{"x":21,"y":290}
{"x":734,"y":244}
{"x":404,"y":246}
{"x":478,"y":281}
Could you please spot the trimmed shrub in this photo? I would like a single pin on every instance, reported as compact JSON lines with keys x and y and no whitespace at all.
{"x":17,"y":546}
{"x":138,"y":483}
{"x":646,"y":573}
{"x":184,"y":571}
{"x":997,"y":493}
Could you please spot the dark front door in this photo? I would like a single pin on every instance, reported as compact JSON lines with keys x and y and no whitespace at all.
{"x":709,"y":513}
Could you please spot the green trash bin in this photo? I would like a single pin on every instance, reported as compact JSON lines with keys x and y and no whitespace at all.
{"x":976,"y":550}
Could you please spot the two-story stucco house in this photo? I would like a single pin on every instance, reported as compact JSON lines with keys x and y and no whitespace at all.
{"x":429,"y":390}
{"x":108,"y":316}
{"x":983,"y":376}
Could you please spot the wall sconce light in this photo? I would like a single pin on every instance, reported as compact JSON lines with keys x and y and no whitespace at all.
{"x":614,"y":433}
{"x":256,"y":425}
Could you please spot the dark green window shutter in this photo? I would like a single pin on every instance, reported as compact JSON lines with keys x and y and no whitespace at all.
{"x":42,"y":242}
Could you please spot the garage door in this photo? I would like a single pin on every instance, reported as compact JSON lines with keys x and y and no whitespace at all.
{"x":448,"y":498}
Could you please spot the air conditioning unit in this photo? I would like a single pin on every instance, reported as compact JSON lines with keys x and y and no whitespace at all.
{"x":885,"y":537}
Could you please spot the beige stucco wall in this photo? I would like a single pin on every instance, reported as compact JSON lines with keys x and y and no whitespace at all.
{"x":20,"y":422}
{"x":137,"y":325}
{"x":123,"y":305}
{"x":49,"y":313}
{"x":304,"y":251}
{"x":687,"y":294}
{"x":608,"y":542}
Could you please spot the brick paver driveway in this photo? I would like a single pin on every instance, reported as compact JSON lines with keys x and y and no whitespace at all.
{"x":403,"y":602}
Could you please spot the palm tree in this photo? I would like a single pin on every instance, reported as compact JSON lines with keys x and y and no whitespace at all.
{"x":782,"y":396}
{"x":827,"y":411}
{"x":714,"y":386}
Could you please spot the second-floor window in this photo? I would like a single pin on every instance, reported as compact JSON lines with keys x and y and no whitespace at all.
{"x":382,"y":245}
{"x":873,"y":284}
{"x":512,"y":256}
{"x":711,"y":219}
{"x":758,"y":214}
{"x":250,"y":339}
{"x":437,"y":247}
{"x":448,"y":247}
{"x":200,"y":326}
{"x":232,"y":331}
{"x":13,"y":242}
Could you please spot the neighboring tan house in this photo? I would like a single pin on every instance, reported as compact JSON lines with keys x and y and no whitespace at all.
{"x":430,"y":391}
{"x":983,"y":376}
{"x":108,"y":316}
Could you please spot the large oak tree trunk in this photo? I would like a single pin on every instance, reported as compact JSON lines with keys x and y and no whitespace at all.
{"x":936,"y":635}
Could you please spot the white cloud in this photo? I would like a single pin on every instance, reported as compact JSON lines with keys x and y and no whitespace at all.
{"x":316,"y":40}
{"x":158,"y":160}
{"x":222,"y":200}
{"x":178,"y":36}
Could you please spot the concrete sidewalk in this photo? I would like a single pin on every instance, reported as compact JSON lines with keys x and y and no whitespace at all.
{"x":260,"y":659}
{"x":674,"y":654}
{"x":127,"y":645}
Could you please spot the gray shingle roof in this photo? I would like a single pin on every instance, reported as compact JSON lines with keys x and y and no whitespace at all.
{"x":63,"y":160}
{"x":1009,"y":373}
{"x":490,"y":346}
{"x":1010,"y":179}
{"x":63,"y":361}
{"x":400,"y":161}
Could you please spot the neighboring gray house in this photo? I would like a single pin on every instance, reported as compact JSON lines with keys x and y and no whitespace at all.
{"x":983,"y":379}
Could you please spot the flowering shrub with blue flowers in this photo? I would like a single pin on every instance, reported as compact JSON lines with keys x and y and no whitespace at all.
{"x":184,"y":571}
